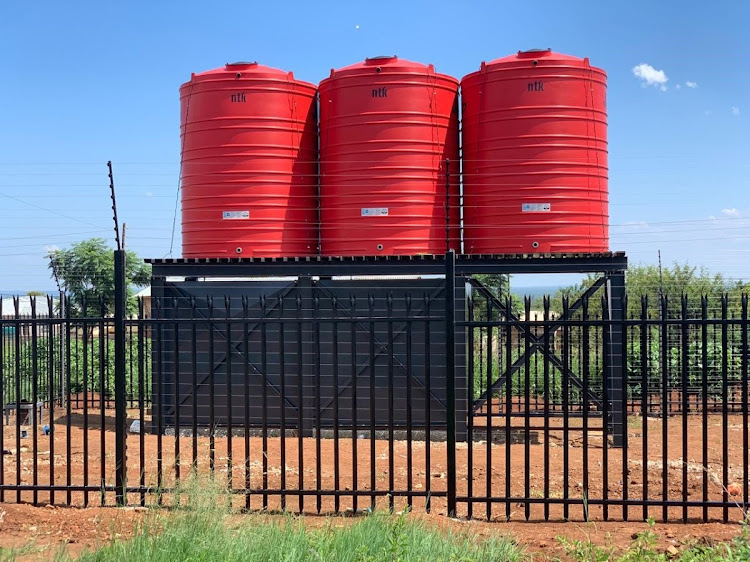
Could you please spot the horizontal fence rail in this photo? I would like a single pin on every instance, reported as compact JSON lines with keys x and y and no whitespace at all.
{"x":326,"y":396}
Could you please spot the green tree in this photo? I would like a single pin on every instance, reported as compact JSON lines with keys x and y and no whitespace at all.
{"x":673,"y":282}
{"x":86,"y":271}
{"x":36,"y":294}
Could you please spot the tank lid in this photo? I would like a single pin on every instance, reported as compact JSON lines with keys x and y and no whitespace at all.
{"x":243,"y":64}
{"x":244,"y":70}
{"x":535,"y":53}
{"x":386,"y":64}
{"x":534,"y":57}
{"x":380,"y":59}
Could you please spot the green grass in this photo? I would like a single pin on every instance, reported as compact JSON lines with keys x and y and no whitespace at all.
{"x":197,"y":536}
{"x":203,"y":528}
{"x":644,"y":549}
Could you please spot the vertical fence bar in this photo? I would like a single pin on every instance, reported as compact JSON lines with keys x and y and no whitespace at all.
{"x":724,"y":406}
{"x":390,"y":350}
{"x":644,"y":399}
{"x":157,"y":296}
{"x":373,"y":481}
{"x":51,"y":324}
{"x":470,"y":408}
{"x":526,"y":408}
{"x":317,"y":401}
{"x":194,"y":382}
{"x":508,"y":403}
{"x":35,"y":401}
{"x":664,"y":345}
{"x":335,"y":373}
{"x":624,"y":381}
{"x":264,"y":396}
{"x":176,"y":392}
{"x":409,"y":418}
{"x":68,"y":428}
{"x":545,"y":371}
{"x":427,"y":404}
{"x":246,"y":388}
{"x":211,"y":389}
{"x":745,"y":429}
{"x":228,"y":389}
{"x":704,"y":392}
{"x":585,"y":375}
{"x":301,"y":429}
{"x":606,"y":416}
{"x":142,"y":328}
{"x":17,"y":365}
{"x":566,"y":406}
{"x":353,"y":357}
{"x":487,"y":376}
{"x":2,"y":402}
{"x":450,"y":332}
{"x":119,"y":320}
{"x":282,"y":400}
{"x":685,"y":377}
{"x":103,"y":361}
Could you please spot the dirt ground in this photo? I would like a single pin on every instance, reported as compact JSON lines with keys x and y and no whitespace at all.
{"x":87,"y":459}
{"x":46,"y":530}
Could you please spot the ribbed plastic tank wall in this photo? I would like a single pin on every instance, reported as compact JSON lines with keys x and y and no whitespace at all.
{"x":249,"y":163}
{"x":387,"y":127}
{"x":534,"y":138}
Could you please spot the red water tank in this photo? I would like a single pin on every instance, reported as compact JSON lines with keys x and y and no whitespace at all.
{"x":387,"y":127}
{"x":249,"y":163}
{"x":534,"y":138}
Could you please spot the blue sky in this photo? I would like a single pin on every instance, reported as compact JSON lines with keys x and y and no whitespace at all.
{"x":86,"y":82}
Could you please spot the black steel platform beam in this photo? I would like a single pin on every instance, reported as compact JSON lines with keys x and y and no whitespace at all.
{"x":389,"y":265}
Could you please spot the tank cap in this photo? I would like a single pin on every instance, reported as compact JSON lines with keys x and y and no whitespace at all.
{"x":242,"y":63}
{"x":380,"y":58}
{"x":534,"y":52}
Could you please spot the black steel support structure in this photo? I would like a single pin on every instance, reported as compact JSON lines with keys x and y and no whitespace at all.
{"x":611,"y":265}
{"x":120,"y":364}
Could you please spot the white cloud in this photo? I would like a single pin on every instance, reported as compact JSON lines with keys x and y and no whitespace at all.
{"x":149,"y":194}
{"x":649,"y":76}
{"x":52,"y":248}
{"x":731,"y":212}
{"x":708,"y":113}
{"x":735,"y":111}
{"x":690,"y":84}
{"x":678,"y":86}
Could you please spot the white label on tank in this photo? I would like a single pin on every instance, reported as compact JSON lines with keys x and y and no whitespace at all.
{"x":536,"y":207}
{"x":235,"y":215}
{"x":375,"y":212}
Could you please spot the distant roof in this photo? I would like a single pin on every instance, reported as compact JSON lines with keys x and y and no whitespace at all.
{"x":24,"y":306}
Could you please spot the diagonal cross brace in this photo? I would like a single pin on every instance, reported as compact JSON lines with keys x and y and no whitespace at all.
{"x":236,"y":348}
{"x":537,"y":343}
{"x":381,"y":347}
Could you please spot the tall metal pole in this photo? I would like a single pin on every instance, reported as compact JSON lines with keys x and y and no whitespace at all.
{"x":119,"y":320}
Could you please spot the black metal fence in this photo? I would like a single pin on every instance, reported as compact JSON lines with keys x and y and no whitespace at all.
{"x":327,"y":395}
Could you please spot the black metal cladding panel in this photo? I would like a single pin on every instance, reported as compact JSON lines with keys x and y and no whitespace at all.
{"x":252,"y":344}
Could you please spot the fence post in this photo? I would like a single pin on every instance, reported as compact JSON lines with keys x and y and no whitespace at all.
{"x":615,"y":359}
{"x":450,"y":368}
{"x":119,"y":321}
